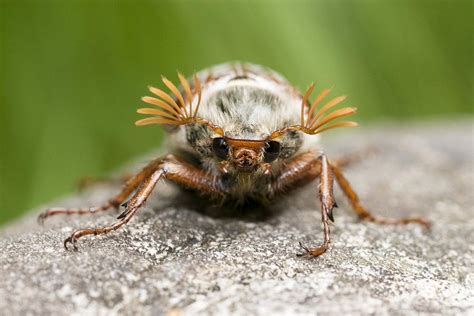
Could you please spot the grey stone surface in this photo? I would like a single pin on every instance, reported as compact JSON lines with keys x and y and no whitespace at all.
{"x":174,"y":260}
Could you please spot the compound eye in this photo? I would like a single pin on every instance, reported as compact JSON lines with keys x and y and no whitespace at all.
{"x":220,"y":147}
{"x":272,"y":151}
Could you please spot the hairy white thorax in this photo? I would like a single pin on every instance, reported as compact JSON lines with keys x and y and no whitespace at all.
{"x":249,"y":102}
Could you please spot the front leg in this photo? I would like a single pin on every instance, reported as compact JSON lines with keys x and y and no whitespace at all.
{"x":305,"y":167}
{"x":132,"y":206}
{"x":328,"y":202}
{"x":170,"y":168}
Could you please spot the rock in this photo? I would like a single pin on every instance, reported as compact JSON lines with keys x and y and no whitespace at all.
{"x":172,"y":259}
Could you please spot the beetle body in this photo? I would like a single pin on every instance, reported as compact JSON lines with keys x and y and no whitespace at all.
{"x":249,"y":102}
{"x":238,"y":132}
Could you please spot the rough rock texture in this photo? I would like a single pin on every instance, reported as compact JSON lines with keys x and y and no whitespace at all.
{"x":174,"y":260}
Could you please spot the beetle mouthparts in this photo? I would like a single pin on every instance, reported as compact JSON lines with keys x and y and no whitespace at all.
{"x":245,"y":158}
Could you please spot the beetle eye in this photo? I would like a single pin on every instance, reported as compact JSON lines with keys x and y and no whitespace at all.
{"x":220,"y":147}
{"x":272,"y":151}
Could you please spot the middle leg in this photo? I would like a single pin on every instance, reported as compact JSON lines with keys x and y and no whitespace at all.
{"x":130,"y":185}
{"x":362,"y":212}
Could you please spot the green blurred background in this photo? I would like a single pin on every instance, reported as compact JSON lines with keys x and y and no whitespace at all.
{"x":72,"y":72}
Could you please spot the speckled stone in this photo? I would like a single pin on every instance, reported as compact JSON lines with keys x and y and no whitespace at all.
{"x":175,"y":259}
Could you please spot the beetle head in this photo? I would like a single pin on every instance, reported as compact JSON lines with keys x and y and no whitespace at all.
{"x":256,"y":121}
{"x":245,"y":155}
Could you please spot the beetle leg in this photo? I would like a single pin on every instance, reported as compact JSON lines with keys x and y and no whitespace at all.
{"x":130,"y":185}
{"x":362,"y":212}
{"x":132,"y":206}
{"x":170,"y":168}
{"x":326,"y":198}
{"x":305,"y":167}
